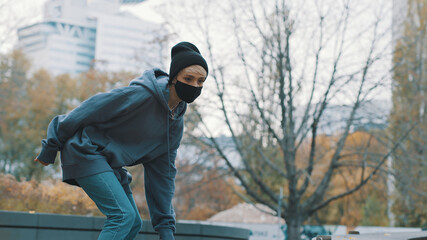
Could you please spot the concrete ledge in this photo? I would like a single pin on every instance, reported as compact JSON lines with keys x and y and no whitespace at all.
{"x":43,"y":226}
{"x":422,"y":235}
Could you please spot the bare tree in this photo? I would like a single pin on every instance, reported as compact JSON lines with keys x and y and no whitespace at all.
{"x":153,"y":52}
{"x":12,"y":16}
{"x":293,"y":62}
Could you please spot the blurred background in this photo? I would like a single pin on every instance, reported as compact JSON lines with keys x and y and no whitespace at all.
{"x":312,"y":120}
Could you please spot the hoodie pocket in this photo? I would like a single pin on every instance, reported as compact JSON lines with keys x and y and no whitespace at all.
{"x":78,"y":148}
{"x":116,"y":155}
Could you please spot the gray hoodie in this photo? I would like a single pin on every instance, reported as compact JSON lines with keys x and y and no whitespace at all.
{"x":123,"y":127}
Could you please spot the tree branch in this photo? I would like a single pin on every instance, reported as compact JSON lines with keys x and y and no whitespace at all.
{"x":363,"y":181}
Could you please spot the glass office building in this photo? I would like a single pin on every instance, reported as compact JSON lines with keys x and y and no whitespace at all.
{"x":76,"y":35}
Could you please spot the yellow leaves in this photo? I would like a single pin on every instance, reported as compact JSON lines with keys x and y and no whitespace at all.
{"x":200,"y":213}
{"x":360,"y":148}
{"x":40,"y":89}
{"x":20,"y":60}
{"x":93,"y":82}
{"x":50,"y":196}
{"x":201,"y":199}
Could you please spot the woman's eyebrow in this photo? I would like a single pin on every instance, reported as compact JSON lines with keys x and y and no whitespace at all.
{"x":190,"y":75}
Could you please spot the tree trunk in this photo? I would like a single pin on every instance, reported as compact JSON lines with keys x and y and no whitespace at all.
{"x":294,"y":227}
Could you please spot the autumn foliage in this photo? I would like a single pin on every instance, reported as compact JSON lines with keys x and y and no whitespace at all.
{"x":49,"y":196}
{"x":410,"y":112}
{"x":204,"y":198}
{"x":203,"y":188}
{"x":368,"y":206}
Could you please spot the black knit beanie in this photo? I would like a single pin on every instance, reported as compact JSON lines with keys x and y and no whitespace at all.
{"x":185,"y":54}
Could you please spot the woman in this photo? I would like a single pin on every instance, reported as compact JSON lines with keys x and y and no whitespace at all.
{"x":141,"y":123}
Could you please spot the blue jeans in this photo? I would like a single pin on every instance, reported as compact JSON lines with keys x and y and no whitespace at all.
{"x":123,"y":220}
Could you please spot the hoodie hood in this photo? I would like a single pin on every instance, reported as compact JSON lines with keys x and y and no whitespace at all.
{"x":156,"y":82}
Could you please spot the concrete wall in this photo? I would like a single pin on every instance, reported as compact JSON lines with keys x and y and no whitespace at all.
{"x":42,"y":226}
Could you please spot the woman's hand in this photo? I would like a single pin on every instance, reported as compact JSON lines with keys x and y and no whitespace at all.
{"x":41,"y":162}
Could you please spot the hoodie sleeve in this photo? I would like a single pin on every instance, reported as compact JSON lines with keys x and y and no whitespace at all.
{"x":98,"y":108}
{"x":159,"y":178}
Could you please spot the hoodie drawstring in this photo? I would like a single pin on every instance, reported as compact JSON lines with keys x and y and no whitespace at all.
{"x":167,"y":136}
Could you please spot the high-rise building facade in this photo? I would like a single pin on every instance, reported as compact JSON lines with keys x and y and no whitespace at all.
{"x":76,"y":35}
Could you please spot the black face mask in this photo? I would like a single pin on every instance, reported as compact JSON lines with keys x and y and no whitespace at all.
{"x":187,"y":92}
